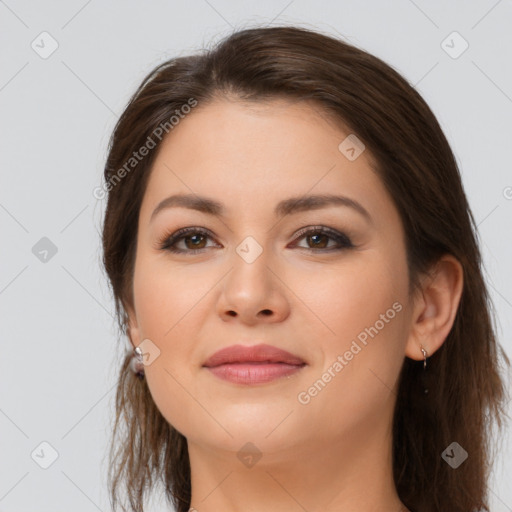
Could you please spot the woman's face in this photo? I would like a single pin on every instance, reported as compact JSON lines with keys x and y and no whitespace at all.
{"x":338,"y":304}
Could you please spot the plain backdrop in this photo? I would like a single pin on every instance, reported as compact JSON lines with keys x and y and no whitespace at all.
{"x":67,"y":70}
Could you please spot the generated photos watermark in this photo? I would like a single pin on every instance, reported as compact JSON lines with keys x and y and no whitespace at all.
{"x":151,"y":142}
{"x":304,"y":397}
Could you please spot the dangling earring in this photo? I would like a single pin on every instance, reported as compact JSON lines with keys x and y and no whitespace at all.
{"x":136,"y":363}
{"x":424,"y":376}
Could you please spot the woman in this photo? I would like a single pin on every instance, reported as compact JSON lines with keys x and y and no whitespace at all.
{"x":295,"y":264}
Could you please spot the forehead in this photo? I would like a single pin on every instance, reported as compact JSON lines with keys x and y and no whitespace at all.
{"x":250,"y":153}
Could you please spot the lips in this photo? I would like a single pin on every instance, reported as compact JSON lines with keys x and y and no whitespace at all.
{"x":256,"y":354}
{"x":258,"y":364}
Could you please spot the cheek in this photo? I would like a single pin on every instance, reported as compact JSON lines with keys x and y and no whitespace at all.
{"x":364,"y":312}
{"x":360,"y":310}
{"x":164,"y":297}
{"x":168,"y":305}
{"x":350,"y":297}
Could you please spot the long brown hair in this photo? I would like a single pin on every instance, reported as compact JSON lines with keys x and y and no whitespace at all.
{"x":418,"y":168}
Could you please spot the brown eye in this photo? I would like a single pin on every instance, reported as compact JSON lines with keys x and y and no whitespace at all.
{"x":318,"y":237}
{"x":193,"y":239}
{"x":318,"y":240}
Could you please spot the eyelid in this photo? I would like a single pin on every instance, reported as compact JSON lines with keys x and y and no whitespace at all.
{"x":333,"y":233}
{"x":170,"y":237}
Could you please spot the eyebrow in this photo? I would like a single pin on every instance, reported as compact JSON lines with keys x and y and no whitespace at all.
{"x":283,"y":208}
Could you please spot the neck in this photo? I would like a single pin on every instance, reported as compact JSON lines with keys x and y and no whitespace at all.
{"x":353,"y":473}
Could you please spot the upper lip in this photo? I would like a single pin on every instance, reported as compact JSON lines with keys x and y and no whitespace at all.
{"x":254,"y":353}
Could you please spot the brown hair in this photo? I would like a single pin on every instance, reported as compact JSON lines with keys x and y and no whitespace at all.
{"x":418,"y":168}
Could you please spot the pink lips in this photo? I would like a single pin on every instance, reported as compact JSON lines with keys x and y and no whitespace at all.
{"x":253,"y":365}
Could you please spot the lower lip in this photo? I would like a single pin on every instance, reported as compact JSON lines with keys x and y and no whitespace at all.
{"x":253,"y":373}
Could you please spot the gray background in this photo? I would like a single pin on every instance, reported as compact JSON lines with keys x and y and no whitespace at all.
{"x":59,"y":352}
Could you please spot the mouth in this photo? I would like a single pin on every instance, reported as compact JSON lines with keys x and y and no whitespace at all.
{"x":253,"y":373}
{"x":253,"y":364}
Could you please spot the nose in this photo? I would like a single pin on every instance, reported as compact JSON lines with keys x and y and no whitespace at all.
{"x":253,"y":293}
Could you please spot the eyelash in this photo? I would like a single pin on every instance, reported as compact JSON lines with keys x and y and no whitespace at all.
{"x":168,"y":241}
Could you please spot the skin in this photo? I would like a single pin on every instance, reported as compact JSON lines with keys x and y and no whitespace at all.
{"x":333,"y":453}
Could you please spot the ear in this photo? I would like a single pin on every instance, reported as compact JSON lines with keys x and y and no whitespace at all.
{"x":435,"y":307}
{"x":133,"y":326}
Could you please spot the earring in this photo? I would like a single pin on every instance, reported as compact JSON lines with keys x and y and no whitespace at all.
{"x":136,"y":363}
{"x":424,"y":375}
